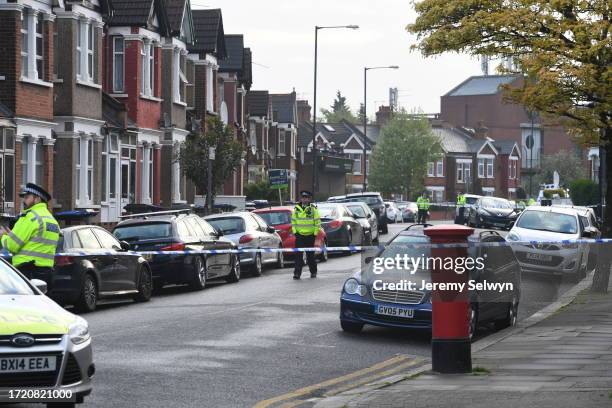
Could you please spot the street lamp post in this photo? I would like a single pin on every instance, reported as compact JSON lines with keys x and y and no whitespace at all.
{"x":314,"y":115}
{"x":365,"y":119}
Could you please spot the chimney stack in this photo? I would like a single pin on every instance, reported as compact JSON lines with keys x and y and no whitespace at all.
{"x":383,"y":116}
{"x":303,"y":109}
{"x":481,"y":131}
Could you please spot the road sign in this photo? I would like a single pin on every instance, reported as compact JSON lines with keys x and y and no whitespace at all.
{"x":279,"y":178}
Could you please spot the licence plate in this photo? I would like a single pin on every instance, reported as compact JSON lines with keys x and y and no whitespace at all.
{"x":27,"y":364}
{"x":538,"y":257}
{"x":394,"y":311}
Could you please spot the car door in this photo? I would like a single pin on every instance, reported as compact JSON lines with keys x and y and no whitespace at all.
{"x":354,"y":226}
{"x":223,"y":260}
{"x":126,"y":266}
{"x":103,"y":264}
{"x":268,"y":240}
{"x":205,"y":243}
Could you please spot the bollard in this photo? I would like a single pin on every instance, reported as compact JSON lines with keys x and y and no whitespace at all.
{"x":450,"y":342}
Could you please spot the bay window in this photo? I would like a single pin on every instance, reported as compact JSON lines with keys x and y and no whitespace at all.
{"x":464,"y":172}
{"x":485,"y":168}
{"x":85,"y":51}
{"x":147,"y":173}
{"x":84,"y":170}
{"x":430,"y":169}
{"x":31,"y":160}
{"x":281,"y":143}
{"x":7,"y":165}
{"x":147,"y":59}
{"x":440,"y":168}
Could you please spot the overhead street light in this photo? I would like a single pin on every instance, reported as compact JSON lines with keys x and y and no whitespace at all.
{"x":314,"y":116}
{"x":365,"y":119}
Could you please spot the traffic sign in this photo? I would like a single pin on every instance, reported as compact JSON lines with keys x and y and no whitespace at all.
{"x":278,"y":178}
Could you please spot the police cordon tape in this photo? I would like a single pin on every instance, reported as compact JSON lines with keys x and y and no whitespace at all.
{"x":349,"y":248}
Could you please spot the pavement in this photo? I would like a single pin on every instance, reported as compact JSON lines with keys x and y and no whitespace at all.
{"x":560,"y":357}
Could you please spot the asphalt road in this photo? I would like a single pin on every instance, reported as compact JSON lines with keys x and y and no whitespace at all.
{"x":233,"y":345}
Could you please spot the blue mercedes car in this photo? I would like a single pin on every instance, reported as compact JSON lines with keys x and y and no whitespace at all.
{"x":368,"y":297}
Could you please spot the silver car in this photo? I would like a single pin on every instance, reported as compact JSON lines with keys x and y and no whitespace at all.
{"x":249,"y":231}
{"x":42,"y":346}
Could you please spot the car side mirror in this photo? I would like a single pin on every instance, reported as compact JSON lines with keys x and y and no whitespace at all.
{"x":368,"y":216}
{"x":40,"y":285}
{"x":270,"y":229}
{"x":125,"y":246}
{"x":511,"y":224}
{"x":219,"y":233}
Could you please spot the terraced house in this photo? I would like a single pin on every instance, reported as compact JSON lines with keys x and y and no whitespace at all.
{"x":97,"y":99}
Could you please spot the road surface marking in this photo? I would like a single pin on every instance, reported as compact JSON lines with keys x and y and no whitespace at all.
{"x":309,"y":389}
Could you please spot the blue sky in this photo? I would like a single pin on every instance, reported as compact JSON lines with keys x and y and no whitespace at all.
{"x":281,"y":36}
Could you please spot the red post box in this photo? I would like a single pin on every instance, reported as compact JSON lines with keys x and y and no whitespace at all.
{"x":450,"y":344}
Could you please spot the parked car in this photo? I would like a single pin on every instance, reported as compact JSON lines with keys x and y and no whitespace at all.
{"x":366,"y":217}
{"x":489,"y":212}
{"x":373,"y":200}
{"x":394,"y":214}
{"x":551,"y":224}
{"x":249,"y":230}
{"x":409,"y":211}
{"x":180,"y":231}
{"x":102,"y":268}
{"x":362,"y":303}
{"x":42,"y":346}
{"x":470,"y":200}
{"x":280,"y":219}
{"x":341,"y":227}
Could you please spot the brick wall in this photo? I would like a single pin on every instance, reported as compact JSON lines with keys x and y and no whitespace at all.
{"x":48,"y":167}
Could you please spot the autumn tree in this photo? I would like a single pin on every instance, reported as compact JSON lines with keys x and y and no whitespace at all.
{"x":399,"y":159}
{"x":562,"y":48}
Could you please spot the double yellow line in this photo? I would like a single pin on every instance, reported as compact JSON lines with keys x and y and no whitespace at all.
{"x":360,"y":377}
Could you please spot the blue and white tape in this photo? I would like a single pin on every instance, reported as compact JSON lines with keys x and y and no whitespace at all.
{"x":349,"y":248}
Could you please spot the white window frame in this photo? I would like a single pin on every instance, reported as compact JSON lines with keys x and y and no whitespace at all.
{"x":210,"y":93}
{"x":91,"y":39}
{"x":116,"y":70}
{"x":25,"y":43}
{"x":86,"y":51}
{"x":282,"y":146}
{"x":356,"y":163}
{"x":293,"y":143}
{"x":147,"y":174}
{"x":84,"y":170}
{"x":151,"y":69}
{"x":439,"y":168}
{"x":481,"y":168}
{"x":30,"y":21}
{"x":39,"y":55}
{"x":143,"y":69}
{"x":490,"y":174}
{"x":7,"y":150}
{"x":431,"y":169}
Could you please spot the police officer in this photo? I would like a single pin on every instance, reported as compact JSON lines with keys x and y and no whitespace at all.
{"x":423,"y":206}
{"x":305,"y":224}
{"x":460,"y":208}
{"x":33,"y":240}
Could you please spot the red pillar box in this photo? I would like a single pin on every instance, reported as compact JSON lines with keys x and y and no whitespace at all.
{"x":450,"y":343}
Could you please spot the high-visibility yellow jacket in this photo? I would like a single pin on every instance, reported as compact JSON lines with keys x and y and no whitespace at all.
{"x":34,"y":237}
{"x":423,"y":203}
{"x":305,"y":220}
{"x":460,"y":200}
{"x":531,"y":202}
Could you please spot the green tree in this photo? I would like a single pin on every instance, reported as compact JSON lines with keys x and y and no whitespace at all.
{"x":339,"y":111}
{"x":562,"y":48}
{"x":362,"y":114}
{"x":399,"y":159}
{"x":569,"y":166}
{"x":584,"y":192}
{"x":262,"y":191}
{"x":194,"y":155}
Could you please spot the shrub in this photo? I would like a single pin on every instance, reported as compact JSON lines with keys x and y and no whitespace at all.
{"x":584,"y":192}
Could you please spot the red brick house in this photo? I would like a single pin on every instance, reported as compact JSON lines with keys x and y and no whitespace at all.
{"x":258,"y":148}
{"x":134,"y":32}
{"x":478,"y":101}
{"x":283,"y":137}
{"x":26,"y":96}
{"x":472,"y":163}
{"x":234,"y":82}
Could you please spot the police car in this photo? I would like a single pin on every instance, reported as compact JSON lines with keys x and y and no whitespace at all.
{"x":42,"y":346}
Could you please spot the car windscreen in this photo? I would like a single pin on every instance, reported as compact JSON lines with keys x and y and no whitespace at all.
{"x":328,"y":212}
{"x":369,"y":200}
{"x":11,"y":283}
{"x":471,"y":200}
{"x":228,"y":225}
{"x":496,"y":203}
{"x":276,"y":217}
{"x":548,"y":221}
{"x":149,"y":230}
{"x":357,"y":210}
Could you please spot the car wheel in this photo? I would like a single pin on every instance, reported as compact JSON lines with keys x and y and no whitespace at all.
{"x":257,"y":267}
{"x":89,"y":295}
{"x":367,"y":239}
{"x":234,"y":275}
{"x":351,"y":327}
{"x":324,"y":256}
{"x":510,"y":318}
{"x":473,"y":320}
{"x":198,"y":281}
{"x":145,"y":285}
{"x":280,"y":260}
